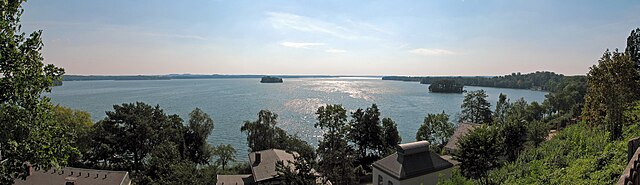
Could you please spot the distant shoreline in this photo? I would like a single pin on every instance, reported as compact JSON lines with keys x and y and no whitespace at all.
{"x":189,"y":76}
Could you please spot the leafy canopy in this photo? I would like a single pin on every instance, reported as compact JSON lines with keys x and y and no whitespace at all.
{"x":28,"y":130}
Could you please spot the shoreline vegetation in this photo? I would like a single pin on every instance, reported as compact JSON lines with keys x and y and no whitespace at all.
{"x":539,"y":80}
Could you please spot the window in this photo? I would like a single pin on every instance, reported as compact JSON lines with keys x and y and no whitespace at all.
{"x":390,"y":183}
{"x":380,"y":180}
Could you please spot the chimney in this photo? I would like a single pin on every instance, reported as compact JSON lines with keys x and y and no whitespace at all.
{"x":70,"y":181}
{"x":258,"y":158}
{"x":410,"y":149}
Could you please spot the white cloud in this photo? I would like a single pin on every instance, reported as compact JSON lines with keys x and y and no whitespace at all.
{"x":432,"y":52}
{"x":335,"y":50}
{"x":302,"y":45}
{"x":346,"y":29}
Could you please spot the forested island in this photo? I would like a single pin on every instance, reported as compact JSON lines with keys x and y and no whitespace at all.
{"x":270,"y":79}
{"x":446,"y":86}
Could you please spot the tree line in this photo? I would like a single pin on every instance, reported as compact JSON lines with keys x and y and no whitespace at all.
{"x":539,"y":80}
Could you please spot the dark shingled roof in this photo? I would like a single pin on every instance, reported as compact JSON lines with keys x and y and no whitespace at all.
{"x":77,"y":175}
{"x":463,"y":129}
{"x":412,"y":160}
{"x":234,"y":179}
{"x":266,"y":168}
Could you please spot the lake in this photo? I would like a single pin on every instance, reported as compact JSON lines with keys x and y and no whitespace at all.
{"x":232,"y":101}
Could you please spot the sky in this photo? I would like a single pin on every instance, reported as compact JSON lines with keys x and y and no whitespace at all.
{"x":329,"y":37}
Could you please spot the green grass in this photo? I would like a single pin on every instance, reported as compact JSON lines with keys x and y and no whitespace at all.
{"x":577,"y":155}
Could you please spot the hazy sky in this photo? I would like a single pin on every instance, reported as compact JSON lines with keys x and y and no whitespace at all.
{"x":463,"y":37}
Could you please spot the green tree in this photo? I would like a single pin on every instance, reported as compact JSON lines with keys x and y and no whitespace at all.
{"x":479,"y":152}
{"x":263,"y":133}
{"x":633,"y":47}
{"x":612,"y":86}
{"x":125,"y":138}
{"x":436,"y":129}
{"x":297,"y":172}
{"x":391,"y":137}
{"x":514,"y":136}
{"x":475,"y":107}
{"x":225,"y":153}
{"x":78,"y":125}
{"x":28,"y":131}
{"x":537,"y":132}
{"x":335,"y":154}
{"x":535,"y":111}
{"x":197,"y":131}
{"x":499,"y":115}
{"x":365,"y":132}
{"x":293,"y":143}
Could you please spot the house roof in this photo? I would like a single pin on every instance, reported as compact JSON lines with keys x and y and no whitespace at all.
{"x":412,"y":160}
{"x":266,"y":168}
{"x":77,"y":175}
{"x":463,"y":129}
{"x":246,"y":179}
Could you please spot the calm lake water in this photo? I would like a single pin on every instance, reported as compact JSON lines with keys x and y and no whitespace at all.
{"x":232,"y":101}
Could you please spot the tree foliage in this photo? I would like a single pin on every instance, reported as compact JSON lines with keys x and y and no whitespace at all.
{"x":78,"y":126}
{"x":476,"y":108}
{"x":155,"y":147}
{"x":391,"y":137}
{"x":479,"y":152}
{"x":263,"y":134}
{"x":365,"y":131}
{"x":500,"y":114}
{"x":335,"y":154}
{"x":28,"y":131}
{"x":197,"y":131}
{"x":225,"y":153}
{"x":633,"y":47}
{"x":436,"y":129}
{"x":299,"y":171}
{"x":612,"y":86}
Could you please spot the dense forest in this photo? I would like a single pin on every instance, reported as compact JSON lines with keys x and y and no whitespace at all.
{"x":539,"y":80}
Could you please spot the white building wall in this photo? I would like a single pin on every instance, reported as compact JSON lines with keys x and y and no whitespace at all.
{"x":386,"y":178}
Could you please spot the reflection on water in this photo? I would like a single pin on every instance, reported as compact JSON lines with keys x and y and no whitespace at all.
{"x":304,"y":106}
{"x":365,"y":89}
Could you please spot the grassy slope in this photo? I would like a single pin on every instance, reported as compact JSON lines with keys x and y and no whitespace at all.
{"x":577,"y":155}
